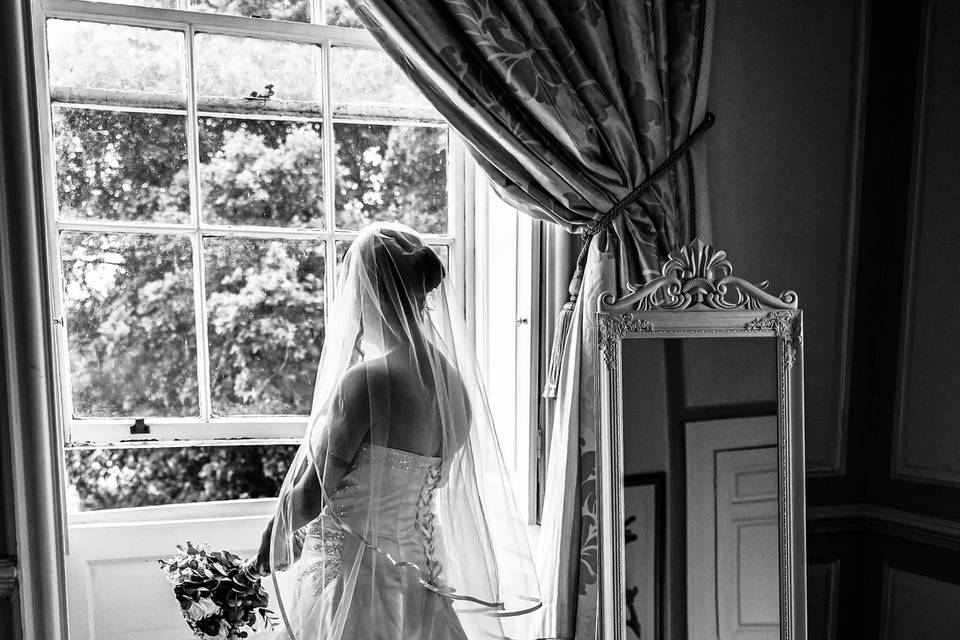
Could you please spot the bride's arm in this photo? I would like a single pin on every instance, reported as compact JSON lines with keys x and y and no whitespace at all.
{"x":339,"y":443}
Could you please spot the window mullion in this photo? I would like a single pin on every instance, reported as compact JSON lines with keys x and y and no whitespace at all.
{"x":199,"y":271}
{"x":329,"y":176}
{"x":461,"y":199}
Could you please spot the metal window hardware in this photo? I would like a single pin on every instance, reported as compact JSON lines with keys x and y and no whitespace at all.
{"x":139,"y":427}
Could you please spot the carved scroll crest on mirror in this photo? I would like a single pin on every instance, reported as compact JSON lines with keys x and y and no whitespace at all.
{"x":698,"y":277}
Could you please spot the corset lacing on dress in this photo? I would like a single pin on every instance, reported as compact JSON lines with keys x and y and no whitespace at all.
{"x":426,"y":523}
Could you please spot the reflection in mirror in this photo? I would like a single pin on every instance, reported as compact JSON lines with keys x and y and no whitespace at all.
{"x":700,"y":501}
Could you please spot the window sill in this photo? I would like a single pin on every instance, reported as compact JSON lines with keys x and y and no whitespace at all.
{"x":195,"y":512}
{"x":167,"y":432}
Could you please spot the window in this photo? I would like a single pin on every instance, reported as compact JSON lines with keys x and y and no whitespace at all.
{"x":209,"y":163}
{"x":208,"y":174}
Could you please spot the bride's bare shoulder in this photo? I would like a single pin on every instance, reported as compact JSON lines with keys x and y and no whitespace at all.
{"x":362,"y":378}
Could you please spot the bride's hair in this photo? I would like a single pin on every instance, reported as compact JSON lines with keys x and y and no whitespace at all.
{"x":401,"y":263}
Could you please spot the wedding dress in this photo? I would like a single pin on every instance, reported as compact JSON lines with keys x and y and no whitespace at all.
{"x":417,"y":536}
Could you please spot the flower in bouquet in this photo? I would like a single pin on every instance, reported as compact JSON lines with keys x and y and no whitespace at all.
{"x":219,"y":595}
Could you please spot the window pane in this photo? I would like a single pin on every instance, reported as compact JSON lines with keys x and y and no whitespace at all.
{"x":295,"y":10}
{"x":130,"y":324}
{"x":341,"y":250}
{"x":443,"y":251}
{"x":339,"y":14}
{"x":117,"y":478}
{"x":363,"y":79}
{"x":231,"y":69}
{"x":161,"y":4}
{"x":261,"y":172}
{"x":265,"y":300}
{"x":121,"y":166}
{"x":115,"y":64}
{"x":391,"y":172}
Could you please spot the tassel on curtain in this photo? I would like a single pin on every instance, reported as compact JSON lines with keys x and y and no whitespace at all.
{"x":565,"y":317}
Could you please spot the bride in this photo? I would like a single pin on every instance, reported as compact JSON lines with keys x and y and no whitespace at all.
{"x":396,"y":519}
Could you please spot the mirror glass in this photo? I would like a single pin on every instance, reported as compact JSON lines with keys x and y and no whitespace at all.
{"x":700,"y":488}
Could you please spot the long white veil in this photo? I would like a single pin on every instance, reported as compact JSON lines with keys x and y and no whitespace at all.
{"x":399,"y":372}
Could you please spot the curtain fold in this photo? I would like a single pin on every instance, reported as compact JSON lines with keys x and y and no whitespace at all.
{"x":567,"y":106}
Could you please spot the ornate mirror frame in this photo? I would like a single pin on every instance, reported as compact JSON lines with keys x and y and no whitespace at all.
{"x":698,"y":297}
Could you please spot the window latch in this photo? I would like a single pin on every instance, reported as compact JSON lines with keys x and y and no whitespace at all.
{"x":139,"y":427}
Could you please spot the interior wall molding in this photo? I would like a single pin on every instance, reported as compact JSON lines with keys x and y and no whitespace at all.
{"x":830,"y":572}
{"x":900,"y":466}
{"x":886,"y":521}
{"x":8,"y":577}
{"x":903,"y":591}
{"x":836,"y":464}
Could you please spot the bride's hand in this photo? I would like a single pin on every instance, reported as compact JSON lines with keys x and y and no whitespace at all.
{"x":260,"y":563}
{"x":255,"y":569}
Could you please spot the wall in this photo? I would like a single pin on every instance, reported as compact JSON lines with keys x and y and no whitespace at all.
{"x":910,"y":441}
{"x":783,"y":159}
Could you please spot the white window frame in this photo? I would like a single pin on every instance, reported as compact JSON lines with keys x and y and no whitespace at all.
{"x":512,"y":353}
{"x":209,"y":429}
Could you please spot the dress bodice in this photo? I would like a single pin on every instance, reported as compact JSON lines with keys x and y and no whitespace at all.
{"x":382,"y":514}
{"x":386,"y":488}
{"x":387,"y":497}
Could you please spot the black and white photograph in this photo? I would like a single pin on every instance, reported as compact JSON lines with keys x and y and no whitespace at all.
{"x":479,"y":320}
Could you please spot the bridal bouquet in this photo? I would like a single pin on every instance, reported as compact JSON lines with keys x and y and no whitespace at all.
{"x":218,"y":595}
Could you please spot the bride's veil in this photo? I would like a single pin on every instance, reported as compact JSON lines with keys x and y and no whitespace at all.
{"x":397,"y":345}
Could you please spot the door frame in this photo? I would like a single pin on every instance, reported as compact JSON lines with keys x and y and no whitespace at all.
{"x":703,"y":441}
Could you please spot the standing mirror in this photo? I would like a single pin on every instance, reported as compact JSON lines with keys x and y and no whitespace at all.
{"x":700,"y":465}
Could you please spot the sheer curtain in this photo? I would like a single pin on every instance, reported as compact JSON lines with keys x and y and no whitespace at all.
{"x":568,"y":106}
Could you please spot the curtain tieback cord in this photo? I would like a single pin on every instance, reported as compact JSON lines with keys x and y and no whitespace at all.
{"x":587,"y":232}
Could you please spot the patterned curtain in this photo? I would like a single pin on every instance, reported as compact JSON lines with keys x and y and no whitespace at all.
{"x":568,"y":105}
